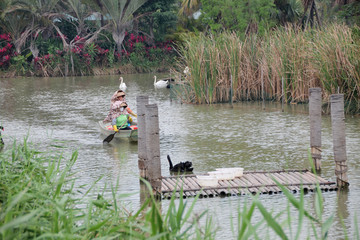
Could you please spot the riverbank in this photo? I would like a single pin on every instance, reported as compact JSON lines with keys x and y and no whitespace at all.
{"x":96,"y":71}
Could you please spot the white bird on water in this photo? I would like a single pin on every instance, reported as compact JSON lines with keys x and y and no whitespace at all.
{"x":160,"y":83}
{"x":122,"y":85}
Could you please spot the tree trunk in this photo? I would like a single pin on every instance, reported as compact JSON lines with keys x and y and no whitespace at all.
{"x":119,"y":38}
{"x":151,"y":31}
{"x":34,"y":50}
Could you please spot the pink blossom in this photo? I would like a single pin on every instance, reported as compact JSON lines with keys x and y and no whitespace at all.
{"x":5,"y":37}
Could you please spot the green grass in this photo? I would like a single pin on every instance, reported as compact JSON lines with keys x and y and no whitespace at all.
{"x":38,"y":201}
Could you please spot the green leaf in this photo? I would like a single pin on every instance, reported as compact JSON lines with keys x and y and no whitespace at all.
{"x":271,"y":221}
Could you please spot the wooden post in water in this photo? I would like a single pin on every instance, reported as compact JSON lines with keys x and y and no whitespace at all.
{"x":231,"y":90}
{"x":339,"y":140}
{"x":315,"y":126}
{"x":262,"y":88}
{"x":282,"y":94}
{"x":141,"y":101}
{"x":152,"y":163}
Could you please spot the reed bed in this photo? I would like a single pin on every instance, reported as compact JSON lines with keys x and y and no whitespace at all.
{"x":38,"y":201}
{"x":282,"y":65}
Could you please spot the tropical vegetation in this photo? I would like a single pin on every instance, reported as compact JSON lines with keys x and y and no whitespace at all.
{"x":236,"y":49}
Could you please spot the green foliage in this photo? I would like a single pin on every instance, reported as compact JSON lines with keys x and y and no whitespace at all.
{"x":242,"y":16}
{"x":111,"y":57}
{"x":48,"y":45}
{"x":91,"y":51}
{"x":160,"y":18}
{"x":20,"y":64}
{"x":350,"y":13}
{"x":289,"y":11}
{"x":38,"y":200}
{"x":137,"y":57}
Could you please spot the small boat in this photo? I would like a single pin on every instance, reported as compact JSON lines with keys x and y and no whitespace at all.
{"x":132,"y":135}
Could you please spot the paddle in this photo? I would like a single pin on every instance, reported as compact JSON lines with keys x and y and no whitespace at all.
{"x":110,"y":137}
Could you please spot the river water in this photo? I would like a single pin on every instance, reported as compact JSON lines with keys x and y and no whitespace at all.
{"x":64,"y":112}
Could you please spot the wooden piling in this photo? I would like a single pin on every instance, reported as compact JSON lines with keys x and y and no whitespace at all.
{"x":141,"y":101}
{"x":152,"y":163}
{"x":282,"y":94}
{"x":262,"y":88}
{"x":231,"y":90}
{"x":315,"y":126}
{"x":339,"y":140}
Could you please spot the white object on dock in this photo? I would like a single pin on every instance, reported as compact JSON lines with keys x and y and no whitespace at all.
{"x":222,"y":175}
{"x":238,"y":172}
{"x":207,"y":181}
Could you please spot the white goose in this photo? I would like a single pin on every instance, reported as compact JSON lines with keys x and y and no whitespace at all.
{"x":122,"y":85}
{"x":160,"y":83}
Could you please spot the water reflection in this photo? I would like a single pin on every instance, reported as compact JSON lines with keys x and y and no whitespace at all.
{"x":219,"y":135}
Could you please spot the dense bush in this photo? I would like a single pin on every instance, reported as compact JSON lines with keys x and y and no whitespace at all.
{"x":53,"y":59}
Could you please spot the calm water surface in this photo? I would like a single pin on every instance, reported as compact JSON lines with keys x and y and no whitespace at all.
{"x":64,"y":111}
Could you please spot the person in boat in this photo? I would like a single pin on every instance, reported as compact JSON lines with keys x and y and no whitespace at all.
{"x":116,"y":95}
{"x":116,"y":100}
{"x":122,"y":122}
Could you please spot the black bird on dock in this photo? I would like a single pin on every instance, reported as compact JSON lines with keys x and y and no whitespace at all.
{"x":180,"y":167}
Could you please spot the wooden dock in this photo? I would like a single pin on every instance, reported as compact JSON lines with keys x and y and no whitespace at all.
{"x":252,"y":182}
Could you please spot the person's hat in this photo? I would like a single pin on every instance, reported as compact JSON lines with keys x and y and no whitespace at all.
{"x":119,"y":94}
{"x":123,"y":104}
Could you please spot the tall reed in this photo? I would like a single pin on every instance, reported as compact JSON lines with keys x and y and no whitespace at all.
{"x":38,"y":201}
{"x":327,"y":58}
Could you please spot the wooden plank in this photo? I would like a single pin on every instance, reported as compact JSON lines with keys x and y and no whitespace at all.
{"x":248,"y":184}
{"x":284,"y":181}
{"x":291,"y":179}
{"x":301,"y":177}
{"x":241,"y":187}
{"x":268,"y":182}
{"x":168,"y":184}
{"x":194,"y":185}
{"x":259,"y":182}
{"x":164,"y":186}
{"x":315,"y":177}
{"x":233,"y":188}
{"x":236,"y":186}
